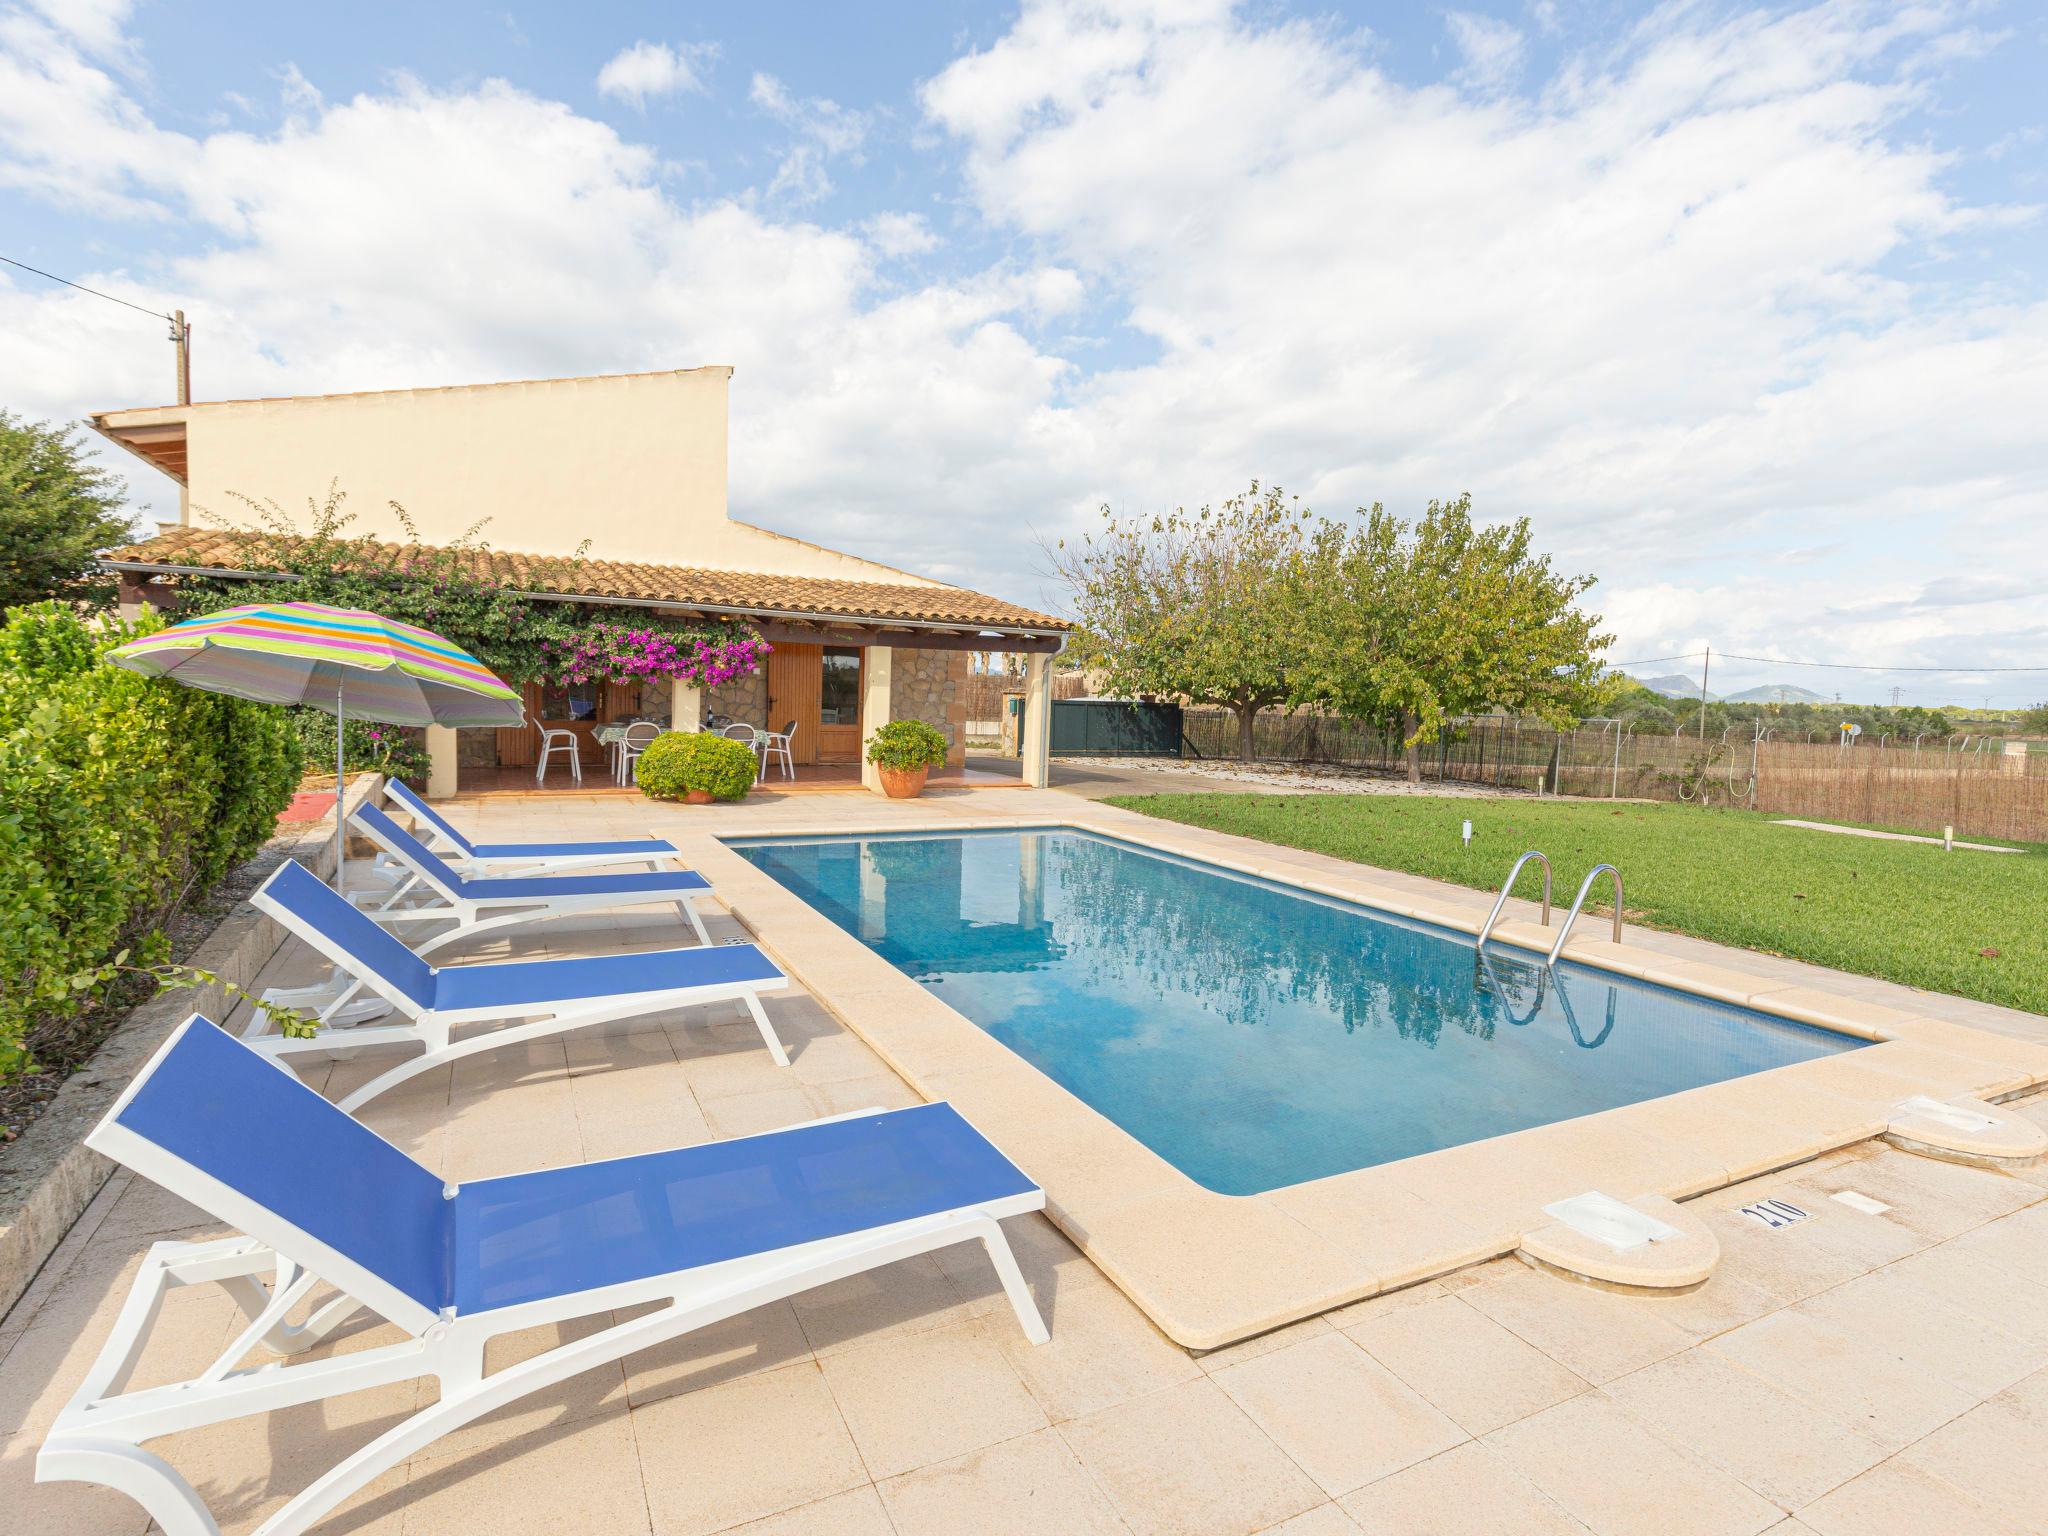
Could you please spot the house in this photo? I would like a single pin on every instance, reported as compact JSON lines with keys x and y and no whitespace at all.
{"x":627,"y":472}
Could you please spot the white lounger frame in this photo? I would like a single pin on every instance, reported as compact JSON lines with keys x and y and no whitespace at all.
{"x":433,"y":1028}
{"x":98,"y":1436}
{"x":473,"y":917}
{"x":518,"y":865}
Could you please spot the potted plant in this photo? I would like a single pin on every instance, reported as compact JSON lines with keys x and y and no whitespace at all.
{"x":695,"y":768}
{"x":904,"y":752}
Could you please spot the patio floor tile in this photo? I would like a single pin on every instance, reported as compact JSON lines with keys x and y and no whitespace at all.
{"x":744,"y":1450}
{"x":1186,"y":1461}
{"x":919,"y":1398}
{"x":1470,"y":1490}
{"x":1033,"y":1485}
{"x":1469,"y":1366}
{"x":1344,"y":1418}
{"x":1900,"y":1500}
{"x":1594,"y":1334}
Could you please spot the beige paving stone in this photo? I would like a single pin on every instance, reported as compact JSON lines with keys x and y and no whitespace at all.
{"x":751,"y":1344}
{"x":583,"y":1476}
{"x":59,"y":1509}
{"x":1186,"y":1461}
{"x":2018,"y":1243}
{"x":1621,"y":1480}
{"x":856,"y":1512}
{"x":918,"y":1398}
{"x":1995,"y":1453}
{"x":750,"y":1114}
{"x":880,"y":1090}
{"x":1765,"y":1438}
{"x":1342,"y":1417}
{"x":1387,"y":1302}
{"x":1469,"y":1366}
{"x":744,"y":1450}
{"x":1398,"y":1236}
{"x":1595,"y":1334}
{"x":1852,"y":1378}
{"x":908,"y":1296}
{"x":1204,"y":1292}
{"x":1896,"y":1499}
{"x":1033,"y":1485}
{"x":1103,"y":1351}
{"x":1833,"y":1245}
{"x":1930,"y":1333}
{"x":1325,"y":1520}
{"x":590,"y":1392}
{"x":1937,"y":1199}
{"x":1470,"y":1490}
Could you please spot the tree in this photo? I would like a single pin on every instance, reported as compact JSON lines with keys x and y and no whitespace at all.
{"x":1205,"y":606}
{"x":1416,"y":625}
{"x":57,"y":510}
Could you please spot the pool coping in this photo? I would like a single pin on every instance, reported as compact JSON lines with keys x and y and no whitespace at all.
{"x":1211,"y":1269}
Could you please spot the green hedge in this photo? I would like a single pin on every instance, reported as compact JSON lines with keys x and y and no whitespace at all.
{"x":124,"y":796}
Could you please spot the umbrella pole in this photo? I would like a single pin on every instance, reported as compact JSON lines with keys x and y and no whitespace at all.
{"x":340,"y":826}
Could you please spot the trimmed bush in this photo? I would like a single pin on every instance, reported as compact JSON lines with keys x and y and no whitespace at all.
{"x":907,"y":744}
{"x":124,"y":796}
{"x":679,"y":761}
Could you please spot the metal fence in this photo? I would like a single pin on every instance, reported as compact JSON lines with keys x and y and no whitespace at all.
{"x":1114,"y":728}
{"x":1927,"y":787}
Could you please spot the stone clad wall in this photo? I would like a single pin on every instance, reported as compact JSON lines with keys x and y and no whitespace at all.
{"x":931,"y":686}
{"x":744,"y":698}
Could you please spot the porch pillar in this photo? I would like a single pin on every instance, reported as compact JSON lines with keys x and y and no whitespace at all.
{"x":685,"y":707}
{"x":442,"y":757}
{"x":1038,"y":720}
{"x":876,"y":678}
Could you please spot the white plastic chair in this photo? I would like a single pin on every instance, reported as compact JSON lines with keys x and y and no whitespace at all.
{"x":739,"y":730}
{"x":775,"y":744}
{"x":633,"y":744}
{"x":556,"y":741}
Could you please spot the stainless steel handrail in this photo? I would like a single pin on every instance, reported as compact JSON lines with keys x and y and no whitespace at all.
{"x":1501,"y":900}
{"x":1579,"y":901}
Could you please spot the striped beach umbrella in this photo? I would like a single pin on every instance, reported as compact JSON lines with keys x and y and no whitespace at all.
{"x":342,"y":660}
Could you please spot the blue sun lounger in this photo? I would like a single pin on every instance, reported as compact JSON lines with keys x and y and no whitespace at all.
{"x":522,"y":858}
{"x":439,"y":894}
{"x":703,"y":1232}
{"x":552,"y":996}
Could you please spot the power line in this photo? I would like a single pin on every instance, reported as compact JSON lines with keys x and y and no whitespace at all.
{"x":110,"y":298}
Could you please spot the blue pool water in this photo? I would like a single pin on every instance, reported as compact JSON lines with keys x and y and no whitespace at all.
{"x":1251,"y":1034}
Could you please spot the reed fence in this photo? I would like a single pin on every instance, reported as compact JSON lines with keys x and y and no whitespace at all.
{"x":1979,"y":793}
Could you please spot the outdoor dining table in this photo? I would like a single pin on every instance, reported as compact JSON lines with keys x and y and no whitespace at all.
{"x":613,"y":739}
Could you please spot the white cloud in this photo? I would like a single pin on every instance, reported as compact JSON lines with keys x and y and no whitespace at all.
{"x":1492,"y":49}
{"x":822,"y":131}
{"x":1670,"y":303}
{"x":648,"y":70}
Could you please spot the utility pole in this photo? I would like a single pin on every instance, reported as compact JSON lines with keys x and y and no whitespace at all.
{"x":181,"y":338}
{"x":1706,"y":666}
{"x":1896,"y":691}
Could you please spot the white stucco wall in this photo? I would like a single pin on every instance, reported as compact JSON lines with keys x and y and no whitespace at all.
{"x":634,"y":464}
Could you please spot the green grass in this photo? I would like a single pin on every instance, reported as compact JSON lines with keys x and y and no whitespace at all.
{"x":1906,"y":912}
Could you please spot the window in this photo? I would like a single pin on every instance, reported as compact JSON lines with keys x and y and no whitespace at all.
{"x":839,"y":694}
{"x":571,"y":701}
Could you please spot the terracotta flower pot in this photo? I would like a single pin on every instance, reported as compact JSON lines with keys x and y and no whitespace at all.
{"x":696,"y":797}
{"x":902,"y":783}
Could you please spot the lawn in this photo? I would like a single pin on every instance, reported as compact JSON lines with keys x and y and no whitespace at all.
{"x":1972,"y":924}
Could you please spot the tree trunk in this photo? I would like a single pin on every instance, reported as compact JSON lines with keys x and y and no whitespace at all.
{"x":1412,"y":750}
{"x":1246,"y":715}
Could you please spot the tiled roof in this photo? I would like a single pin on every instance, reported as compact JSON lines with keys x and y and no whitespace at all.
{"x":754,"y":591}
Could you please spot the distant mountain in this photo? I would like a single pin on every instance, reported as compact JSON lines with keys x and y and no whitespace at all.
{"x":1675,"y":685}
{"x":1778,"y":693}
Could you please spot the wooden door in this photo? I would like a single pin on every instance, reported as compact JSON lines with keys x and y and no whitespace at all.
{"x":840,"y":701}
{"x":794,"y":673}
{"x":517,"y":745}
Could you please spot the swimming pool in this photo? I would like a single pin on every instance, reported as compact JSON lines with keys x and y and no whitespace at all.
{"x":1253,"y":1034}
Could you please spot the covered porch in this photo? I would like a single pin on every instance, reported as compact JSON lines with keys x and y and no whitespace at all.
{"x":826,"y":686}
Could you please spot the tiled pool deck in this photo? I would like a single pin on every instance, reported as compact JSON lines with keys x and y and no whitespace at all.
{"x":1862,"y":1372}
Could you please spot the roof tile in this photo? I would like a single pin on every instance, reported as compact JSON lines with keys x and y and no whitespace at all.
{"x":229,"y":550}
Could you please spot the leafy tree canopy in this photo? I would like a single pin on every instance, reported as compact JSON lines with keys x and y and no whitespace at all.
{"x":1414,"y":625}
{"x":1204,"y":606}
{"x":57,"y":510}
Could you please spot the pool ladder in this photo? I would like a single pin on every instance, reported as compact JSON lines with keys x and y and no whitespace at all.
{"x":1578,"y":901}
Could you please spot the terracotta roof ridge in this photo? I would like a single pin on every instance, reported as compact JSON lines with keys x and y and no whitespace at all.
{"x":417,"y":389}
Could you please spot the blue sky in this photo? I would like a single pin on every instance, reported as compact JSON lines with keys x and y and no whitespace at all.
{"x":1743,"y":306}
